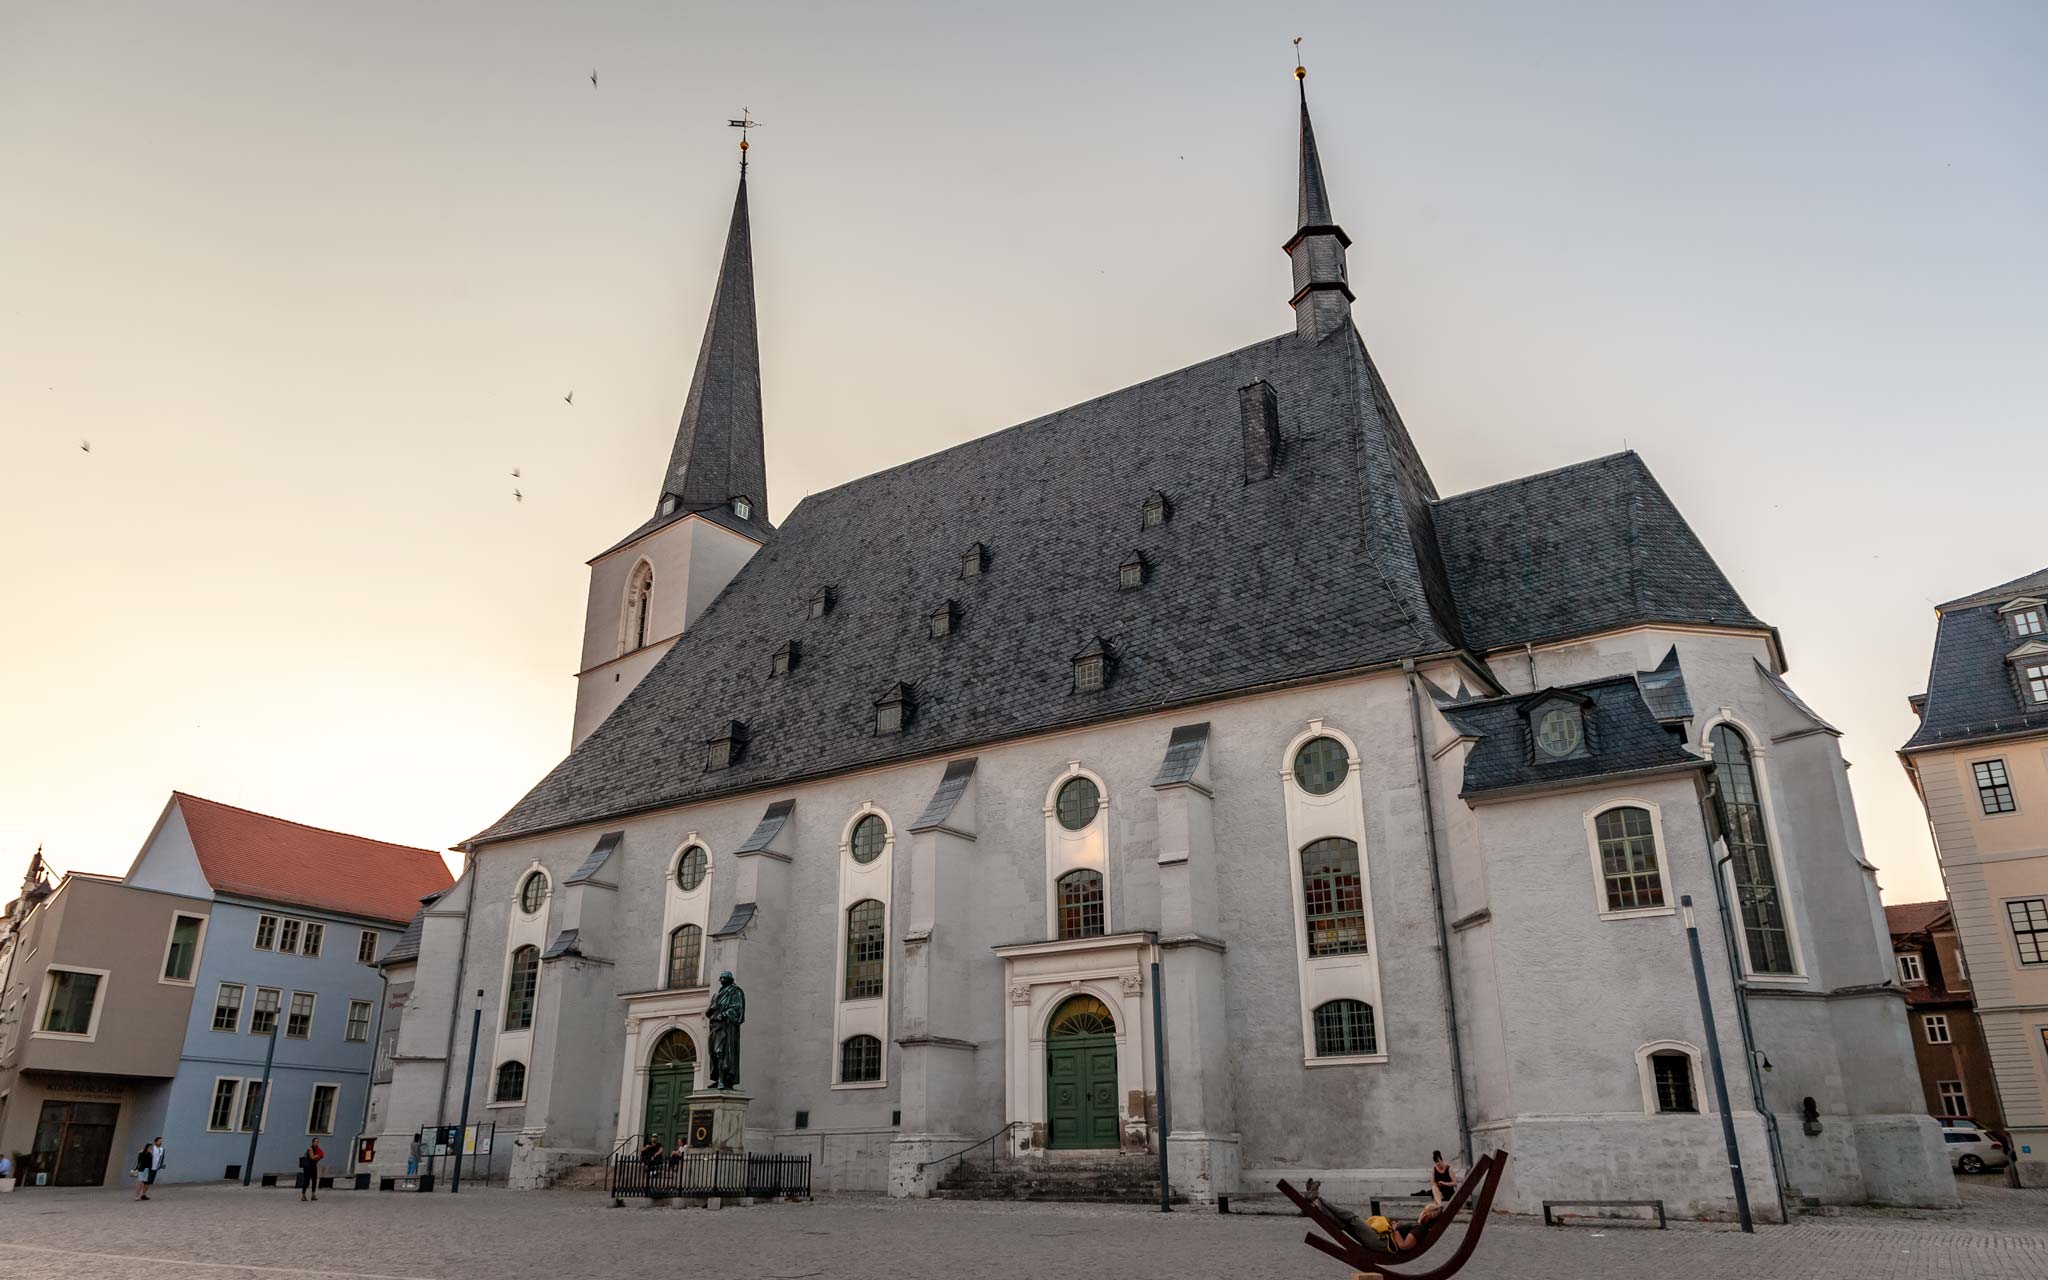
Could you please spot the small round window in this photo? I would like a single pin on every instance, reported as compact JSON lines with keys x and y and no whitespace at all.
{"x":532,"y":892}
{"x":1321,"y":766}
{"x":868,"y":836}
{"x":1078,"y":803}
{"x":1558,"y":732}
{"x":690,"y":868}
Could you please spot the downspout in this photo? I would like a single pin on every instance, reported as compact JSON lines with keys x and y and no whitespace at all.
{"x":1708,"y":796}
{"x":461,"y":970}
{"x":1436,"y":891}
{"x":376,"y":1048}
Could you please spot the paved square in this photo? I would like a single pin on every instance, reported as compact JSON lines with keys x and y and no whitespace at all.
{"x":220,"y":1233}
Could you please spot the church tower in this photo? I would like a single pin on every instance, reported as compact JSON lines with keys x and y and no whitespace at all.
{"x":1322,"y":290}
{"x":712,"y":511}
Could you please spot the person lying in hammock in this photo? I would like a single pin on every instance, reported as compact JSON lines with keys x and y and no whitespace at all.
{"x":1377,"y":1233}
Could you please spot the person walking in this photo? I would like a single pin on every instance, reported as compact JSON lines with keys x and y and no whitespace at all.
{"x":309,"y":1171}
{"x":144,"y":1159}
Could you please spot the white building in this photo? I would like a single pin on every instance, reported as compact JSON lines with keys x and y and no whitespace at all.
{"x":1195,"y":695}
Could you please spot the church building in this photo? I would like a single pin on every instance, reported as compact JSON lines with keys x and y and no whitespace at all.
{"x":1179,"y":768}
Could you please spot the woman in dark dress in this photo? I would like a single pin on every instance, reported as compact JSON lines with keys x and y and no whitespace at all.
{"x":1441,"y":1180}
{"x":309,"y":1171}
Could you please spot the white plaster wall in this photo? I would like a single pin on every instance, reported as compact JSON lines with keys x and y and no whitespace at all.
{"x":168,"y":863}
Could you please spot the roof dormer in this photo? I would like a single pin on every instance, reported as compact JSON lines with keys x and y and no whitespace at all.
{"x":1557,"y":725}
{"x":2025,"y":617}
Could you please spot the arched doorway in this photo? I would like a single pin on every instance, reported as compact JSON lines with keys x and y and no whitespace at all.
{"x":671,"y":1076}
{"x":1080,"y":1076}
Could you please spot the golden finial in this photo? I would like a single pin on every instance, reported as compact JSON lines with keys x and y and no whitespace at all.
{"x":744,"y":123}
{"x":1300,"y":72}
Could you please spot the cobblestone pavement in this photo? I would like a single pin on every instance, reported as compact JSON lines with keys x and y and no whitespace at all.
{"x":221,"y":1233}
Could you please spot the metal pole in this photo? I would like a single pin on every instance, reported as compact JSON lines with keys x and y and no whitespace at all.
{"x":1159,"y":1076}
{"x":249,"y":1167}
{"x":476,"y":1026}
{"x":1699,"y":977}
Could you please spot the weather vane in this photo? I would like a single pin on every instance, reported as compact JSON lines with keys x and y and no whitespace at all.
{"x":1300,"y":72}
{"x":744,"y":123}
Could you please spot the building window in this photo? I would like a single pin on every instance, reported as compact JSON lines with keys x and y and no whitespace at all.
{"x":725,"y":750}
{"x":1091,"y":671}
{"x":1628,"y":859}
{"x":865,"y":945}
{"x":1936,"y":1026}
{"x":511,"y":1083}
{"x":783,"y":660}
{"x":532,"y":892}
{"x":1321,"y":766}
{"x":1080,"y":914}
{"x":298,"y":1024}
{"x":2034,"y":679}
{"x":1078,"y":803}
{"x":1157,"y":511}
{"x":68,"y":1009}
{"x":1909,"y":968}
{"x":743,"y":508}
{"x":220,"y":1117}
{"x":1335,"y":896}
{"x":690,"y":868}
{"x":183,"y":948}
{"x":227,"y":1007}
{"x":1671,"y":1073}
{"x":973,"y":561}
{"x":320,"y":1116}
{"x":685,"y":954}
{"x":358,"y":1031}
{"x":255,"y":1101}
{"x":1559,"y":733}
{"x":821,"y":602}
{"x":639,"y":605}
{"x":943,"y":620}
{"x":1344,"y":1029}
{"x":316,"y":933}
{"x":860,"y":1060}
{"x":2029,"y":918}
{"x":1994,"y":788}
{"x":892,"y":709}
{"x":263,"y":1014}
{"x":519,"y":988}
{"x":869,"y":835}
{"x":1768,"y":938}
{"x":1954,"y":1102}
{"x":366,"y":947}
{"x":266,"y":932}
{"x":288,"y":935}
{"x":2028,"y":622}
{"x":1130,"y":575}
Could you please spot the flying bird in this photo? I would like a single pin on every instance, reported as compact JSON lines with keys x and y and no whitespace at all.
{"x":570,"y":398}
{"x":515,"y":473}
{"x":593,"y":77}
{"x":518,"y":496}
{"x":85,"y":446}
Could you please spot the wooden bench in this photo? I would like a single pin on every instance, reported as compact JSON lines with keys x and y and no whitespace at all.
{"x":1415,"y":1202}
{"x":292,"y":1180}
{"x":1658,"y":1205}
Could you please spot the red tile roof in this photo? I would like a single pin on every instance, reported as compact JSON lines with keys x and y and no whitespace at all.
{"x":257,"y":856}
{"x":1913,"y":917}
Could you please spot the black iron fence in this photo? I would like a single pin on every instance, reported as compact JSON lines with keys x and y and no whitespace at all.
{"x":711,"y":1173}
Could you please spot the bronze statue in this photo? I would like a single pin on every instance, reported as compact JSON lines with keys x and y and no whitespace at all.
{"x":728,"y":1011}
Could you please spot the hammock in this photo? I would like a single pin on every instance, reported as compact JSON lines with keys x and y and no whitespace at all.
{"x":1350,"y":1250}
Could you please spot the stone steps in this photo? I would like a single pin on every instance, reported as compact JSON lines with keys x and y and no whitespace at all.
{"x":1084,"y":1179}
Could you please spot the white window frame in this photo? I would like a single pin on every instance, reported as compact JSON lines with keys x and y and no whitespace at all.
{"x":1340,"y":815}
{"x":313,"y":1101}
{"x":312,"y":939}
{"x":1933,"y":1022}
{"x":1088,"y":849}
{"x":525,"y":1078}
{"x":369,"y":1009}
{"x":234,"y":1103}
{"x":1947,"y":1089}
{"x":296,"y":927}
{"x":257,"y":943}
{"x":241,"y":1003}
{"x":198,"y":950}
{"x":1592,"y":819}
{"x":858,"y":882}
{"x":372,"y":937}
{"x":1781,"y":857}
{"x":269,"y":1092}
{"x":1646,"y":1072}
{"x":99,"y":1004}
{"x":1911,"y":971}
{"x":278,"y":1012}
{"x":547,"y":893}
{"x":313,"y":1000}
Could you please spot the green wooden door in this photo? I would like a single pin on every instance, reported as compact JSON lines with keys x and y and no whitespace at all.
{"x":671,"y":1076}
{"x":1080,"y":1077}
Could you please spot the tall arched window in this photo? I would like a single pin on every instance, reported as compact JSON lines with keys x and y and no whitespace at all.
{"x":1765,"y":935}
{"x":1080,"y":904}
{"x":860,"y":1060}
{"x":1344,"y":1028}
{"x":685,"y":950}
{"x":865,"y":946}
{"x":520,"y":987}
{"x":1335,"y":898}
{"x":511,"y":1086}
{"x":639,"y":603}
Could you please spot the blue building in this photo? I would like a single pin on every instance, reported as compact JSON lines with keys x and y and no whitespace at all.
{"x":288,"y":975}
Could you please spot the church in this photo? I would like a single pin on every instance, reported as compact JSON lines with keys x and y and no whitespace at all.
{"x":1179,"y":769}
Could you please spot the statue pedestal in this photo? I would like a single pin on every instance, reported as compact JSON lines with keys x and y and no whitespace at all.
{"x":718,"y":1120}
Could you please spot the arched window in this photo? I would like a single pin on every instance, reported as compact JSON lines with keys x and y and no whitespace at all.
{"x":1670,"y":1076}
{"x":1344,"y":1028}
{"x":860,"y":1059}
{"x":865,"y":946}
{"x":1080,"y":904}
{"x":1077,"y":803}
{"x":869,"y":835}
{"x":690,"y":868}
{"x":685,"y":950}
{"x":1749,"y":843}
{"x":1629,"y":877}
{"x":520,"y":987}
{"x":511,"y":1086}
{"x":639,"y":604}
{"x":1082,"y":1016}
{"x":1335,"y":897}
{"x":675,"y":1052}
{"x":532,"y":892}
{"x":1321,"y":766}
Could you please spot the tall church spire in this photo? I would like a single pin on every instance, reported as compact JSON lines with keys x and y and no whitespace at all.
{"x":1322,"y":294}
{"x":718,"y":455}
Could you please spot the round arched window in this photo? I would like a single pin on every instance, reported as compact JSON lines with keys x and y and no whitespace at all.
{"x":1321,"y":766}
{"x":1078,"y":803}
{"x":1082,"y":1016}
{"x":532,"y":892}
{"x":1558,"y":731}
{"x":869,"y":834}
{"x":690,"y":868}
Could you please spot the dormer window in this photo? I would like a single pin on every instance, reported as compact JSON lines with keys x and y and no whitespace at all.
{"x":743,"y":506}
{"x":784,"y":659}
{"x":2034,"y":680}
{"x":1131,"y":574}
{"x":944,"y":620}
{"x":1557,"y":725}
{"x":973,"y":561}
{"x":1157,"y":511}
{"x":668,"y":504}
{"x":2027,"y":618}
{"x":1091,"y":668}
{"x":726,"y":749}
{"x":892,"y":709}
{"x":821,"y":602}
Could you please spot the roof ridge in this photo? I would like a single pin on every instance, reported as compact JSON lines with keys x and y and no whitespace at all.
{"x":1538,"y":475}
{"x":305,"y":826}
{"x":2022,"y":585}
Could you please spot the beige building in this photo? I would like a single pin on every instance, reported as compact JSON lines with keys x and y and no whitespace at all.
{"x":1980,"y":763}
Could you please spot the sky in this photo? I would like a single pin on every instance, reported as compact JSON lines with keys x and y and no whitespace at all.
{"x":313,"y":279}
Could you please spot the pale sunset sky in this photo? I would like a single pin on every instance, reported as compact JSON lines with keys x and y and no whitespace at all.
{"x":313,"y":279}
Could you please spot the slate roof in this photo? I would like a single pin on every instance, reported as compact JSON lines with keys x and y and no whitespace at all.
{"x":1664,"y":689}
{"x":1585,"y":548}
{"x":254,"y":855}
{"x":1622,"y":736}
{"x":1184,"y":748}
{"x":1971,"y":691}
{"x":600,"y":853}
{"x":718,"y":451}
{"x":952,"y":785}
{"x":408,"y":945}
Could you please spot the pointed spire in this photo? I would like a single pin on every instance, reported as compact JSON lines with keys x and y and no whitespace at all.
{"x":718,"y":455}
{"x":1322,"y":292}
